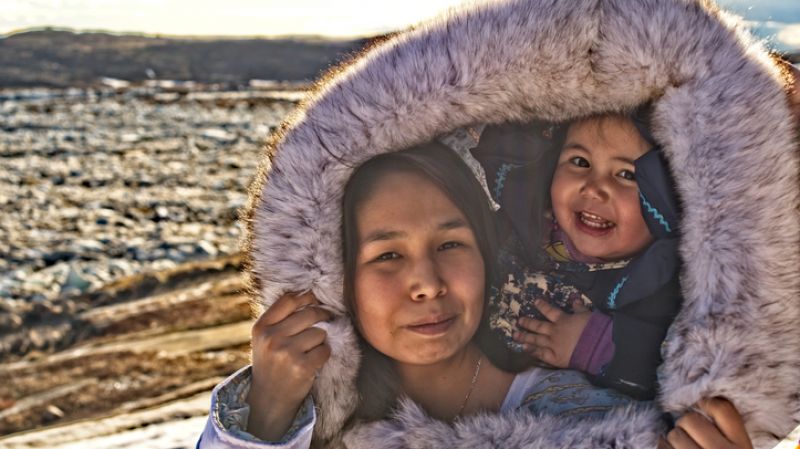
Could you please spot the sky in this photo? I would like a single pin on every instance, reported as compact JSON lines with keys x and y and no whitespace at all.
{"x":344,"y":18}
{"x":777,"y":20}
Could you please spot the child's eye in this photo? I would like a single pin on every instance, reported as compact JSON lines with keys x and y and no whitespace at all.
{"x":389,"y":255}
{"x":627,"y":174}
{"x":579,"y":161}
{"x":449,"y":245}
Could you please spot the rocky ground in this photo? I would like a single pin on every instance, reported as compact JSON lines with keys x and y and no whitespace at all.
{"x":99,"y":184}
{"x":141,"y":378}
{"x":121,"y":298}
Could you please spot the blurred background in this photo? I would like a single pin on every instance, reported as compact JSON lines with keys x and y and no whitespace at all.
{"x":129,"y":131}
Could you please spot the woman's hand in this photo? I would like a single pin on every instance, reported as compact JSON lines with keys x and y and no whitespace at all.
{"x":723,"y":429}
{"x":552,"y":341}
{"x":287,"y":353}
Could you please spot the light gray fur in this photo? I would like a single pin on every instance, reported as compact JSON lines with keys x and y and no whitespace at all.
{"x":412,"y":428}
{"x":722,"y":116}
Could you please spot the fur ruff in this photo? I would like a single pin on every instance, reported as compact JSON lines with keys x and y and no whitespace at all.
{"x":721,"y":114}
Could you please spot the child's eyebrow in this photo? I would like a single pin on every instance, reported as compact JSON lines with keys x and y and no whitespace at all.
{"x":575,"y":146}
{"x":626,"y":160}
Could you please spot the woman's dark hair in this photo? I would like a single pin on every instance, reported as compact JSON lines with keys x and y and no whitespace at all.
{"x":439,"y":164}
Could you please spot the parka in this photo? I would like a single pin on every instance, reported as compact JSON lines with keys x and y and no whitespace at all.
{"x":721,"y":116}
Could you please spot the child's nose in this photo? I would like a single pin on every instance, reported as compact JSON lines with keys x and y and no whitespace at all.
{"x":596,"y":188}
{"x":425,"y":282}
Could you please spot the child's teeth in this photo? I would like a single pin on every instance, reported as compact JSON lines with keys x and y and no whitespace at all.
{"x":594,"y":221}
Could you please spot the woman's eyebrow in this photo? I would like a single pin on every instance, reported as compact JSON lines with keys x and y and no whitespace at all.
{"x":454,"y":223}
{"x":381,"y":235}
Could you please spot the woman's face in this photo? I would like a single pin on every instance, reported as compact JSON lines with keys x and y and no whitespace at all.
{"x":419,"y":275}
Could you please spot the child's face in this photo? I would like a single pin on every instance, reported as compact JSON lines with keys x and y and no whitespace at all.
{"x":594,"y":192}
{"x":419,"y":275}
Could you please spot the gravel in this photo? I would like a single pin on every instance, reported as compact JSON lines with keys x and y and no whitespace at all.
{"x":97,"y":184}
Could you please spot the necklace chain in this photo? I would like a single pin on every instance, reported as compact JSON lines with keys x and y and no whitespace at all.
{"x":471,"y":385}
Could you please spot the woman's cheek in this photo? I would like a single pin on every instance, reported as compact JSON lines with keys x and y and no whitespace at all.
{"x":373,"y":306}
{"x":467,"y":278}
{"x":373,"y":284}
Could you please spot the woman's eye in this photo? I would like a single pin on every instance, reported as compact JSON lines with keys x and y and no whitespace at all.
{"x":449,"y":245}
{"x":579,"y":162}
{"x":627,"y":174}
{"x":391,"y":255}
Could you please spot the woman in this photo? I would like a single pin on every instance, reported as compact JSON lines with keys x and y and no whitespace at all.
{"x":415,"y":287}
{"x":720,"y":112}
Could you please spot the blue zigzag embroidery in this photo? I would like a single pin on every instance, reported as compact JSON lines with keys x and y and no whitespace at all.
{"x":612,"y":298}
{"x":501,"y":179}
{"x":654,"y":212}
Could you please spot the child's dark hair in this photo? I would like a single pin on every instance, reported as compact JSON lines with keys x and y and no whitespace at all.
{"x":439,"y":164}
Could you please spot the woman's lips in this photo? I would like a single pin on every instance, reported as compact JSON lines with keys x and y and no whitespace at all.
{"x":432,"y":326}
{"x":593,"y":224}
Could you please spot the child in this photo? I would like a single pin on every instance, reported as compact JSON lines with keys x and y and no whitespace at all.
{"x":605,"y":288}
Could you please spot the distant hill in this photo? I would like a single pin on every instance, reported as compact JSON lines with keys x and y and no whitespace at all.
{"x":64,"y":58}
{"x":52,"y":58}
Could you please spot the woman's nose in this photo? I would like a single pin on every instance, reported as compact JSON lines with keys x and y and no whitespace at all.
{"x":426,"y":281}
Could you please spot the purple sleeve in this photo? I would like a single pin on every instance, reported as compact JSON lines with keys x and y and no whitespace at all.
{"x":595,"y":347}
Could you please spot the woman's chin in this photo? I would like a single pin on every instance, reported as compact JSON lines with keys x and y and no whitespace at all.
{"x":430,"y":352}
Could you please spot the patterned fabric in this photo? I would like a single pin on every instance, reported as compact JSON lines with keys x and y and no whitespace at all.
{"x":567,"y":393}
{"x":232,"y":410}
{"x":514,"y":297}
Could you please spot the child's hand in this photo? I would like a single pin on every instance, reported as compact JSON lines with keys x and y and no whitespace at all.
{"x":723,"y":429}
{"x":287,"y":353}
{"x":552,"y":342}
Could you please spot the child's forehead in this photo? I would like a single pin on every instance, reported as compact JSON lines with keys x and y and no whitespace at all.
{"x":614,"y":129}
{"x":604,"y":123}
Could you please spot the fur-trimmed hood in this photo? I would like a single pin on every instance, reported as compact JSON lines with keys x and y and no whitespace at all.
{"x":719,"y":111}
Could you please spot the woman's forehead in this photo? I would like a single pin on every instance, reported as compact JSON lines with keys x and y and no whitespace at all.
{"x":402,"y":203}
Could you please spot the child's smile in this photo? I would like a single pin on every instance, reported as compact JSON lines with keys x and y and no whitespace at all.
{"x":594,"y":223}
{"x":594,"y":192}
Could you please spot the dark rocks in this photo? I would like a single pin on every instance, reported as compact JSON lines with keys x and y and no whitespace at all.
{"x":147,"y":186}
{"x":54,"y":257}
